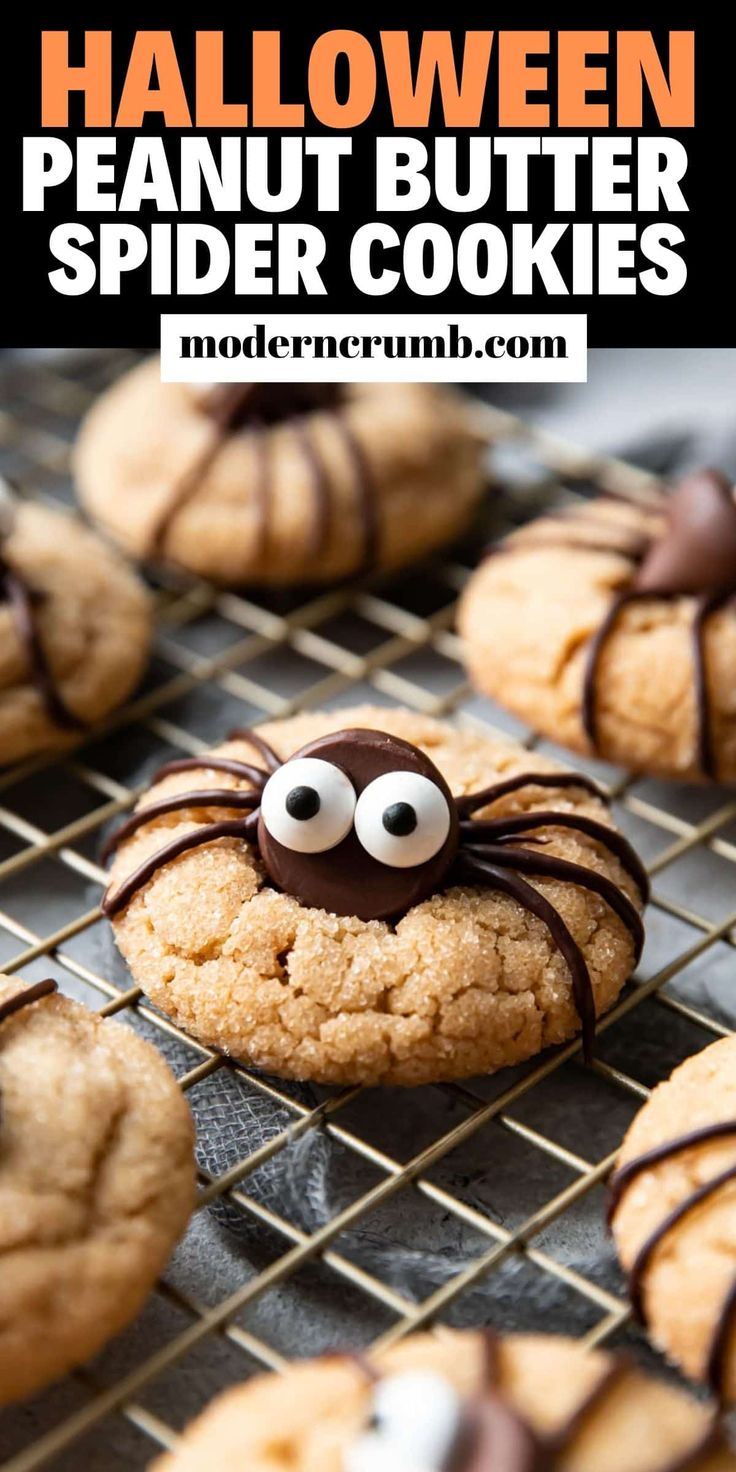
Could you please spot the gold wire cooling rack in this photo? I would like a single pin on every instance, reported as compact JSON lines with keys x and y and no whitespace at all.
{"x":226,"y":659}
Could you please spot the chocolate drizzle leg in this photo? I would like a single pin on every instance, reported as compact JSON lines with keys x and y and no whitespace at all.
{"x":213,"y":764}
{"x":476,"y":870}
{"x":213,"y":797}
{"x":266,"y":752}
{"x":715,"y":1369}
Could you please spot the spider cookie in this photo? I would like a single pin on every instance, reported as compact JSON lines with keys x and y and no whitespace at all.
{"x":673,"y":1214}
{"x":279,"y":483}
{"x":464,"y":1402}
{"x":75,"y":629}
{"x":96,"y":1181}
{"x":612,"y":629}
{"x":371,"y":896}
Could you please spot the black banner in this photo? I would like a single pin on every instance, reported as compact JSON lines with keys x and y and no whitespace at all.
{"x":621,"y":219}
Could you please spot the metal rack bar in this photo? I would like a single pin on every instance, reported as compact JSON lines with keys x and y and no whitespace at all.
{"x":35,"y":436}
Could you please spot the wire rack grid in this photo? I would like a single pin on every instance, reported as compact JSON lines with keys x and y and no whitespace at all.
{"x":224,"y":659}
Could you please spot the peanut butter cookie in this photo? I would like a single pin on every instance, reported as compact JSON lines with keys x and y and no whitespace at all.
{"x":457,"y":1403}
{"x":612,"y":629}
{"x":373,"y":896}
{"x":674,"y":1216}
{"x":75,"y":629}
{"x":96,"y":1181}
{"x":279,"y":483}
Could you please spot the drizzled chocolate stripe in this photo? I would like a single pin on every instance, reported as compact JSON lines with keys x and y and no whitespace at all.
{"x":706,"y":752}
{"x":320,"y":528}
{"x":716,"y":1367}
{"x":23,"y":999}
{"x":622,"y":1178}
{"x":233,"y":407}
{"x":186,"y":488}
{"x":15,"y":591}
{"x":366,"y":500}
{"x":705,"y":607}
{"x":589,"y":711}
{"x":644,"y":1255}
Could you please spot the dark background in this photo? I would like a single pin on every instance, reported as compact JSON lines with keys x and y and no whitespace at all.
{"x":35,"y":315}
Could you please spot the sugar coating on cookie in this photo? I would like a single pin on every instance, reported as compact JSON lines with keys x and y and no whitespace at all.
{"x":96,"y":1181}
{"x":612,"y":628}
{"x":674,"y":1215}
{"x":466,"y":978}
{"x":239,"y":484}
{"x":466,"y":1401}
{"x":75,"y":630}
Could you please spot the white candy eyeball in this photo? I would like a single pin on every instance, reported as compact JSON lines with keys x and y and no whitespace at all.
{"x":402,"y":819}
{"x":414,"y":1424}
{"x":308,"y":805}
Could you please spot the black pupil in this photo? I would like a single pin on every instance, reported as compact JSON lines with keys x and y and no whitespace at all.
{"x":303,"y":803}
{"x":400,"y":819}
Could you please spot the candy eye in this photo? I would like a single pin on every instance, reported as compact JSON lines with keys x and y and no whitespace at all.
{"x":402,"y":819}
{"x":308,"y":805}
{"x":413,"y":1426}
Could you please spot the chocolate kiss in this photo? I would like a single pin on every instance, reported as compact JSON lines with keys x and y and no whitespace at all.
{"x":497,"y":1440}
{"x":697,"y":551}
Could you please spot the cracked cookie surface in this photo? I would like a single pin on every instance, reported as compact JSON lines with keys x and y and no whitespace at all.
{"x":531,"y":611}
{"x":96,"y":1184}
{"x":93,"y":619}
{"x":307,"y":1419}
{"x":397,"y":466}
{"x":466,"y":982}
{"x":691,"y":1271}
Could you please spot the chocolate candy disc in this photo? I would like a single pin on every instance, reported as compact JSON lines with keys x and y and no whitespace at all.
{"x":346,"y":879}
